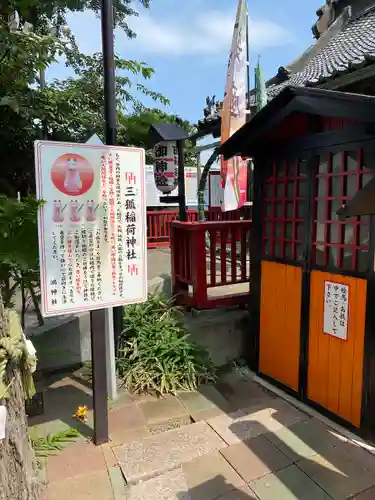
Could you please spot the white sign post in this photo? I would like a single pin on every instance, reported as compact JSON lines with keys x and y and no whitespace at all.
{"x":92,"y":229}
{"x":336,"y":302}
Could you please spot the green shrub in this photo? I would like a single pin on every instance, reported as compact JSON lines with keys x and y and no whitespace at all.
{"x":157,"y":353}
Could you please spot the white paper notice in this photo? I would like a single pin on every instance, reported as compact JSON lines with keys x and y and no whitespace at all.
{"x":92,"y":228}
{"x":336,"y":306}
{"x":3,"y":421}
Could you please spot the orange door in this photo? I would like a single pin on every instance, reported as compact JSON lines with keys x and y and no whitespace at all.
{"x":280,"y":316}
{"x":334,"y":365}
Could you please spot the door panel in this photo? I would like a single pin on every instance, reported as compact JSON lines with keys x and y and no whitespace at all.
{"x":335,"y":366}
{"x":280,"y":316}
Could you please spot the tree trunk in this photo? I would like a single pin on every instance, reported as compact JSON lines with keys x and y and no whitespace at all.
{"x":18,"y":469}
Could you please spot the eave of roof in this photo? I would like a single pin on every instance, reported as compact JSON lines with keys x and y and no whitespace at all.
{"x":350,"y":48}
{"x":298,"y":100}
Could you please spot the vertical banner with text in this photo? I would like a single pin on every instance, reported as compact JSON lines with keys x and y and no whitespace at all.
{"x":233,"y":115}
{"x":92,"y":227}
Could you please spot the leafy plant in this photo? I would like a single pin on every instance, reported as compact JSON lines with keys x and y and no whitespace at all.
{"x":52,"y":443}
{"x":157,"y":353}
{"x":19,"y":250}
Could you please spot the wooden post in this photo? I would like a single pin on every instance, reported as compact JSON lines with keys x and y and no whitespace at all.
{"x":199,"y":265}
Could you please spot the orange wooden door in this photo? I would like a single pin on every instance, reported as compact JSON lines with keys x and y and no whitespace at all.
{"x":280,"y":314}
{"x":335,"y":366}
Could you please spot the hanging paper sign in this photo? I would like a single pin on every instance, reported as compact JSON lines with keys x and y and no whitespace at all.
{"x":3,"y":421}
{"x":166,"y":166}
{"x":336,"y":307}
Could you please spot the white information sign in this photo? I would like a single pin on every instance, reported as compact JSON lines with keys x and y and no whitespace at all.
{"x":336,"y":301}
{"x":191,"y":189}
{"x":215,"y":190}
{"x":92,"y":228}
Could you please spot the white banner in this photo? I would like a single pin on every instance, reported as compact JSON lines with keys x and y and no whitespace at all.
{"x":92,"y":228}
{"x":233,"y":115}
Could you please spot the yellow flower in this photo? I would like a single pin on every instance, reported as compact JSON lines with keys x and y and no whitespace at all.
{"x":81,"y":413}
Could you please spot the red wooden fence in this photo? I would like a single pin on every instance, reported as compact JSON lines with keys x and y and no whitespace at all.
{"x":159,"y":222}
{"x":208,"y":255}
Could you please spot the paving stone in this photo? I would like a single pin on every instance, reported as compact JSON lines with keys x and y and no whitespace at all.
{"x":338,"y":474}
{"x":127,"y":417}
{"x":241,"y":393}
{"x":169,"y":425}
{"x":287,"y":484}
{"x":365,"y":495}
{"x":118,"y":483}
{"x":123,"y":436}
{"x":76,"y":459}
{"x":241,"y":426}
{"x":161,"y":452}
{"x":355,"y":452}
{"x":240,"y":493}
{"x":255,"y":458}
{"x":162,"y":410}
{"x":206,"y":398}
{"x":123,"y":398}
{"x":168,"y":486}
{"x":210,"y":476}
{"x":206,"y":414}
{"x":109,"y":456}
{"x":304,"y":439}
{"x":95,"y":486}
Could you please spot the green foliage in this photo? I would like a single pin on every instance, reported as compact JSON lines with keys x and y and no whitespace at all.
{"x":72,"y":108}
{"x":56,"y":10}
{"x":158,"y":354}
{"x":18,"y":245}
{"x":134,"y":127}
{"x":52,"y":443}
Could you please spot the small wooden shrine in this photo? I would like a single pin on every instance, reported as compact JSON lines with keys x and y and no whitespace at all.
{"x":312,"y":275}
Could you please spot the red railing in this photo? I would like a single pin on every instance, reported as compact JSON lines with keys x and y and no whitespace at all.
{"x":209,"y":255}
{"x":159,"y":222}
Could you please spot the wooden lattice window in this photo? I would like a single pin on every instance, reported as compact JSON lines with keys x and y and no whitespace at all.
{"x":285,"y":195}
{"x":341,"y":245}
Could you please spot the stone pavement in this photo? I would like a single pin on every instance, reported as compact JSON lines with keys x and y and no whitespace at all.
{"x":231,"y":441}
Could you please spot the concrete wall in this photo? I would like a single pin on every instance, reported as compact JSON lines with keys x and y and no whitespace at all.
{"x":222,"y":332}
{"x":62,"y":342}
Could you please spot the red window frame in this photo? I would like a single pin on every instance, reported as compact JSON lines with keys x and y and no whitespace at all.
{"x":274,"y":225}
{"x":338,"y":174}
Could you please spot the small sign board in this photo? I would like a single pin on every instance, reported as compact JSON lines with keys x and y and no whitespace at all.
{"x":191,"y":188}
{"x":215,"y":189}
{"x":336,"y":308}
{"x":92,"y":228}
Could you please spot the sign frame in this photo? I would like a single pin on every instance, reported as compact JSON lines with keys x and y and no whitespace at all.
{"x":42,"y":194}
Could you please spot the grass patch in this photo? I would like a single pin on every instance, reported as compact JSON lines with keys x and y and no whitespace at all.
{"x":157,"y":353}
{"x":51,"y":444}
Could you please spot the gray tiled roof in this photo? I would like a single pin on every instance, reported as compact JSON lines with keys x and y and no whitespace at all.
{"x":349,"y":49}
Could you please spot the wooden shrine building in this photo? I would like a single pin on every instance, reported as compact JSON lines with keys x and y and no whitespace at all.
{"x":312,"y":276}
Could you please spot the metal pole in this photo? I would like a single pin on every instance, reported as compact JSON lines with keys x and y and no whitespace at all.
{"x":99,"y":377}
{"x":42,"y":86}
{"x":110,"y":113}
{"x":99,"y":330}
{"x":181,"y":181}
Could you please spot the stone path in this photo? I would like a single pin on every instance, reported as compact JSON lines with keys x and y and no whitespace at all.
{"x":234,"y":441}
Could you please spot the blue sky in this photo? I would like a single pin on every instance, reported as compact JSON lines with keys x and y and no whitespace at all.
{"x":187,"y":42}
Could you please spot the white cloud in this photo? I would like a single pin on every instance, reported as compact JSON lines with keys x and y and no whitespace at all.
{"x":171,"y":34}
{"x":208,"y":33}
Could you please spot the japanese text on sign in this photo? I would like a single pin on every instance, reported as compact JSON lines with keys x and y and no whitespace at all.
{"x":336,"y":306}
{"x":92,"y":228}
